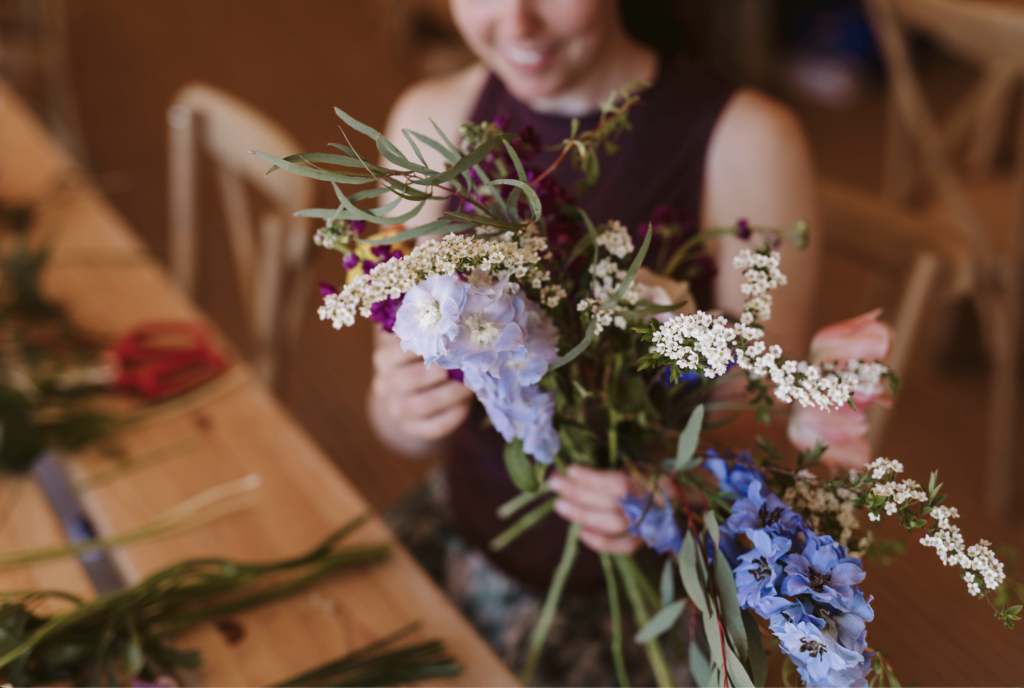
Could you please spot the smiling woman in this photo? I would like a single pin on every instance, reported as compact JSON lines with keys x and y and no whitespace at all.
{"x":699,"y":153}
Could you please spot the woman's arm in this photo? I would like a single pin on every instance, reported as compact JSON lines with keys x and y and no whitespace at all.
{"x":759,"y":168}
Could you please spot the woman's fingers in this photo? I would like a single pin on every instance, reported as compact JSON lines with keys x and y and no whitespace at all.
{"x":572,"y":491}
{"x":611,"y":545}
{"x":609,"y":522}
{"x":611,"y":483}
{"x":433,"y":400}
{"x":439,"y":426}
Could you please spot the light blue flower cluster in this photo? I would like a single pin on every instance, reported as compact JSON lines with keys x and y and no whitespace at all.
{"x":802,"y":582}
{"x":502,"y":343}
{"x":655,"y":525}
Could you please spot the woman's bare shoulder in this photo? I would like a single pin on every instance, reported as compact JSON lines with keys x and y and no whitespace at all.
{"x":447,"y":100}
{"x":754,"y":126}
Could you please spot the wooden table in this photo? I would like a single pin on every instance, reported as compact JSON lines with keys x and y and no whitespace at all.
{"x":102,"y":273}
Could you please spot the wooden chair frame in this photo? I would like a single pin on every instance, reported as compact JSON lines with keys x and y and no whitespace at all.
{"x":990,"y":35}
{"x":274,"y":273}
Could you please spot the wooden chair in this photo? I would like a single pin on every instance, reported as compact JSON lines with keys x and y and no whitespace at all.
{"x":272,"y":260}
{"x":953,"y":163}
{"x":929,"y":262}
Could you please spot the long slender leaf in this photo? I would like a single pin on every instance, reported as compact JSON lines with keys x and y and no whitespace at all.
{"x":464,"y":164}
{"x":531,"y":195}
{"x":401,"y":160}
{"x":438,"y":227}
{"x":334,"y":159}
{"x":416,"y":149}
{"x":519,"y":467}
{"x":738,"y":675}
{"x":711,"y":523}
{"x":512,"y":506}
{"x":315,"y":172}
{"x":661,"y":623}
{"x":689,"y":438}
{"x":756,"y":655}
{"x":689,"y":575}
{"x":365,"y":129}
{"x":547,"y":614}
{"x":631,"y":575}
{"x":369,"y":217}
{"x":516,"y":162}
{"x":440,"y":132}
{"x":448,"y":155}
{"x":618,"y":659}
{"x":588,"y":337}
{"x":668,"y":582}
{"x":730,"y":606}
{"x":638,"y":260}
{"x":699,"y":666}
{"x":485,"y":220}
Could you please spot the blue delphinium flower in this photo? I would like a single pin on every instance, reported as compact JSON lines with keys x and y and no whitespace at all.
{"x":736,"y":481}
{"x":529,"y":364}
{"x":759,"y":571}
{"x":824,"y":572}
{"x":762,"y":509}
{"x":820,"y":659}
{"x":657,"y":527}
{"x":687,"y":378}
{"x":427,"y":320}
{"x":487,"y":334}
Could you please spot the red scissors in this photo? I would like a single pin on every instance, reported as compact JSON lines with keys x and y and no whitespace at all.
{"x":163,"y":359}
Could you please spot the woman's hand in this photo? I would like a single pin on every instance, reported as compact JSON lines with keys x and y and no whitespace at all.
{"x":413,"y":407}
{"x":590,"y":497}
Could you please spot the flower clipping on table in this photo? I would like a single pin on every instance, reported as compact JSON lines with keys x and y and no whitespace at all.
{"x":844,"y":431}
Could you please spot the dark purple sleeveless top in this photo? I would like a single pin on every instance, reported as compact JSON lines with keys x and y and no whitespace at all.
{"x":660,"y":162}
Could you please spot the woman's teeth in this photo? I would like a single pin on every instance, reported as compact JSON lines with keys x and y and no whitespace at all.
{"x":524,"y":57}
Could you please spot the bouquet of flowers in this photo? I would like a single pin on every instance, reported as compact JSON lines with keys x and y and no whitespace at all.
{"x":584,"y":347}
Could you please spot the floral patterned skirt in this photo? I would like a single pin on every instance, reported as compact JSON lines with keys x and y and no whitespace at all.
{"x":504,"y":611}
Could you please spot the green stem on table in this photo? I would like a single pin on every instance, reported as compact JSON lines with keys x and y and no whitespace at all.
{"x":205,"y":506}
{"x":547,"y":614}
{"x":123,"y":468}
{"x":616,"y":614}
{"x":630,"y":575}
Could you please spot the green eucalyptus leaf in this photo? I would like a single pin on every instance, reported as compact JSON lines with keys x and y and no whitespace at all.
{"x":755,"y":650}
{"x":464,"y":164}
{"x":519,"y":467}
{"x":416,"y":149}
{"x":335,"y":159}
{"x":689,"y":438}
{"x":516,"y":162}
{"x":689,"y":575}
{"x":485,"y":221}
{"x":448,"y":155}
{"x":437,"y":227}
{"x":588,"y":337}
{"x":447,"y":142}
{"x":660,"y":623}
{"x":638,"y":260}
{"x":370,"y":217}
{"x":315,"y":172}
{"x":738,"y":675}
{"x":668,"y":582}
{"x":711,"y":523}
{"x":699,"y":666}
{"x":729,"y":605}
{"x":401,"y":160}
{"x":531,"y":195}
{"x":365,"y":129}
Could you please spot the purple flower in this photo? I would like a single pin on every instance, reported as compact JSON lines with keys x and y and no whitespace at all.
{"x":759,"y":571}
{"x":385,"y":312}
{"x":657,"y":527}
{"x":456,"y":375}
{"x":743,"y":229}
{"x":350,"y":261}
{"x":382,"y":252}
{"x":528,"y":145}
{"x":358,"y":226}
{"x":427,"y":320}
{"x":824,"y":572}
{"x":762,"y":509}
{"x":501,"y":122}
{"x":326,"y":289}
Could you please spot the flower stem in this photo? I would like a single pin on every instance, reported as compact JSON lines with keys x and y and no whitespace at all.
{"x":630,"y":574}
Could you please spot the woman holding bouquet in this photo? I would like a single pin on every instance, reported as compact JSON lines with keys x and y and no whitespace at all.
{"x":701,"y":153}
